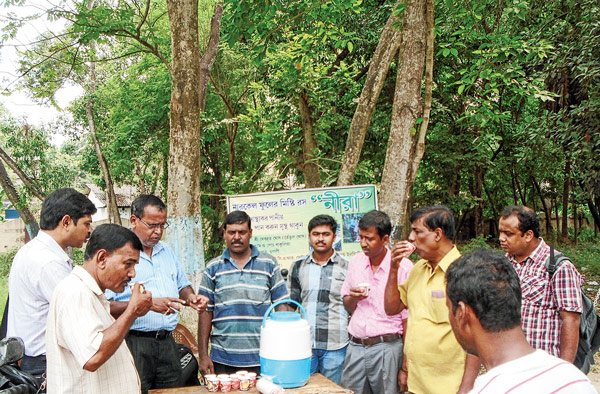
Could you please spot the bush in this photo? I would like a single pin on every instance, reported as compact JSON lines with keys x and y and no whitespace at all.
{"x":6,"y":259}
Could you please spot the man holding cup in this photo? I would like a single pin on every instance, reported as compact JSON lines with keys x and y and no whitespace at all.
{"x":374,"y":354}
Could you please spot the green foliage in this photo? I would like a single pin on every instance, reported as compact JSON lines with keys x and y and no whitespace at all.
{"x":6,"y":259}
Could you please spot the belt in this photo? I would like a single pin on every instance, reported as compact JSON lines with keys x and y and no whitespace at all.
{"x":375,"y":340}
{"x":160,"y":334}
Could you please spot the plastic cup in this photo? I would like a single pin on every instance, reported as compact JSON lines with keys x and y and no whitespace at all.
{"x":244,"y":383}
{"x":235,"y":382}
{"x":364,"y":287}
{"x":225,"y":385}
{"x":412,"y":247}
{"x":252,"y":378}
{"x":212,"y":383}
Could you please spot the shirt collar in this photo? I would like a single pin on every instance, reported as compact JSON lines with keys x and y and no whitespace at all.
{"x":47,"y":240}
{"x":385,"y":263}
{"x":156,"y":249}
{"x":449,"y":258}
{"x":87,"y":280}
{"x":333,"y":258}
{"x":227,"y":255}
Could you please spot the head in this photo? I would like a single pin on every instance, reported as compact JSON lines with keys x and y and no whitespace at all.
{"x":519,"y":229}
{"x":111,"y":255}
{"x":431,"y":226}
{"x":321,"y":233}
{"x":148,"y":219}
{"x":482,"y":284}
{"x":69,"y":212}
{"x":237,"y":231}
{"x":374,"y":232}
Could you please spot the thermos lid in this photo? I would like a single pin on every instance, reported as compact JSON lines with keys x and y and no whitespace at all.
{"x":285,"y":316}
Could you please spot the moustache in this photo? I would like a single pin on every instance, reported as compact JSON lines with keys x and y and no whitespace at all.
{"x":237,"y":243}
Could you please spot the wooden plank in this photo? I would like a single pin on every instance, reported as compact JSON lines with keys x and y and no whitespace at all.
{"x":317,"y":384}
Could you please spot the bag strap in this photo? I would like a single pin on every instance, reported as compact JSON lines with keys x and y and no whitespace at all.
{"x":554,"y":261}
{"x":4,"y":322}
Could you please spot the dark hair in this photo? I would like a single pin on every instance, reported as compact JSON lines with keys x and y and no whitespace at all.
{"x":486,"y":281}
{"x":237,"y":217}
{"x":436,"y":216}
{"x":139,"y":204}
{"x":378,"y":219}
{"x":110,"y":237}
{"x":63,"y":202}
{"x":322,"y":220}
{"x":528,"y":219}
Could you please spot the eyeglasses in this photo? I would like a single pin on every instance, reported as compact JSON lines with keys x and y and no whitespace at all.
{"x":154,"y":226}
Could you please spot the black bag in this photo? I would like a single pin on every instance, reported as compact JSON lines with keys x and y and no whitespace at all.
{"x":589,"y":326}
{"x":189,"y":366}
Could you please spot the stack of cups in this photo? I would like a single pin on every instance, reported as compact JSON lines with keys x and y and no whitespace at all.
{"x":212,"y":383}
{"x":235,"y":381}
{"x":246,"y":379}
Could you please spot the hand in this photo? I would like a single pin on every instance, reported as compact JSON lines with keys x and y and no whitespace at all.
{"x":402,"y":380}
{"x":401,"y":250}
{"x":206,"y":365}
{"x":198,"y":302}
{"x":140,"y":302}
{"x":358,"y":293}
{"x":167,"y":305}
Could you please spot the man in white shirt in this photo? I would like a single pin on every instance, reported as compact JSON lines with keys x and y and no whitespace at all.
{"x":39,"y":265}
{"x":85,"y":345}
{"x":483,"y":295}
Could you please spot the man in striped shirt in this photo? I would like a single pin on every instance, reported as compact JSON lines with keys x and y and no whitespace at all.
{"x":316,"y":282}
{"x":484,"y":305}
{"x":240,"y":284}
{"x":551,"y":305}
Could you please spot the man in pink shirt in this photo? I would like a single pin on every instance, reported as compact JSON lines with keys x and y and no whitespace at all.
{"x":374,"y":354}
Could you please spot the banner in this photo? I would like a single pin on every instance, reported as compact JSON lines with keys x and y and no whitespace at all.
{"x":280,"y":219}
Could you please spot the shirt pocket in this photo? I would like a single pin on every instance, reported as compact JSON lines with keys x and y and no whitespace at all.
{"x":438,"y":311}
{"x":533,"y":289}
{"x":258,"y":287}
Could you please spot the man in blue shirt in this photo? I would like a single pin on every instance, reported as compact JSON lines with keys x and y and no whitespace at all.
{"x":149,"y":339}
{"x":241,"y":284}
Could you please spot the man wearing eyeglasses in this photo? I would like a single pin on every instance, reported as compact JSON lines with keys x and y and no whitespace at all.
{"x":149,"y":339}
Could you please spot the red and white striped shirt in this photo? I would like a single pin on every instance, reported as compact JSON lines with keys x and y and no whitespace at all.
{"x":543,"y":298}
{"x":537,"y":372}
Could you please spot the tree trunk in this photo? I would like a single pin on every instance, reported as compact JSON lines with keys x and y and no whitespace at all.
{"x":111,"y":198}
{"x":565,"y":199}
{"x":478,"y":210}
{"x":574,"y":203}
{"x":309,"y":146}
{"x":399,"y":170}
{"x":557,"y":218}
{"x":547,"y":210}
{"x":380,"y":63}
{"x":27,"y":181}
{"x":595,"y":215}
{"x":31,"y":225}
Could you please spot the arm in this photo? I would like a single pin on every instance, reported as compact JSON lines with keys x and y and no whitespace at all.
{"x":117,"y":308}
{"x":569,"y":335}
{"x":113,"y":336}
{"x":403,"y":372}
{"x":204,"y":327}
{"x":350,"y":301}
{"x":392,"y":302}
{"x":472,"y":366}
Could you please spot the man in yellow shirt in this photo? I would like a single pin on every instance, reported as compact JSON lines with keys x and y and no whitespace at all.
{"x":434,"y":362}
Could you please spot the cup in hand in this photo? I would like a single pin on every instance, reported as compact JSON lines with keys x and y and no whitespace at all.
{"x":364,"y":287}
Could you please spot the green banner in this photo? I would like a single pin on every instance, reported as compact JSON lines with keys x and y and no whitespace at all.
{"x":280,"y":219}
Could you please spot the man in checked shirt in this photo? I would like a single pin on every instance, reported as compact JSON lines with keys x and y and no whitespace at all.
{"x":551,"y":307}
{"x":316,"y":282}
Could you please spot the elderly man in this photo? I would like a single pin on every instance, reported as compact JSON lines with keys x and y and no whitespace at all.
{"x":374,"y":354}
{"x":484,"y":306}
{"x":241,"y":284}
{"x":316,"y":282}
{"x":551,"y":305}
{"x":85,"y":346}
{"x":150,"y":340}
{"x":434,"y":362}
{"x":37,"y":268}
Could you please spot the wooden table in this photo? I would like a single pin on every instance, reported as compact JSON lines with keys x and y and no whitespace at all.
{"x":317,"y":384}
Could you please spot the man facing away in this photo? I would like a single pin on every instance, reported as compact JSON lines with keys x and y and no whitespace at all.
{"x":241,"y":284}
{"x":434,"y":362}
{"x":316,"y":282}
{"x":65,"y":221}
{"x":150,"y":338}
{"x":484,"y":307}
{"x":551,"y":307}
{"x":374,"y":354}
{"x":86,"y":351}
